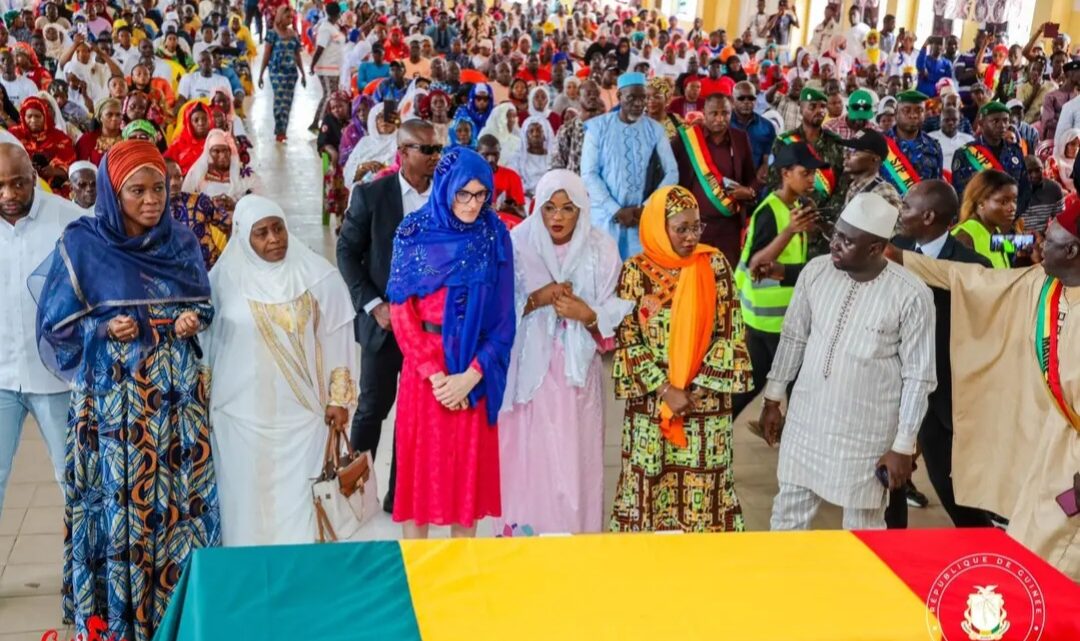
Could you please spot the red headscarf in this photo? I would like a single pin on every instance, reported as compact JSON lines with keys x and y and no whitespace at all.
{"x":129,"y":156}
{"x":187,"y":148}
{"x":50,"y":142}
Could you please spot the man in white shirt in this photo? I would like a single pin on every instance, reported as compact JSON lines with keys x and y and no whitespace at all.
{"x":758,"y":27}
{"x":329,"y":54}
{"x":17,"y":87}
{"x":31,"y":221}
{"x":949,"y":136}
{"x":204,"y":83}
{"x":91,"y":65}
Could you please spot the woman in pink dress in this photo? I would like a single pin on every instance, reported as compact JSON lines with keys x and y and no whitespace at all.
{"x":551,"y":440}
{"x":451,"y":292}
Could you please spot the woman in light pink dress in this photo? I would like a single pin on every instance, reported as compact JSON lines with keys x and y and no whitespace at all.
{"x":551,"y":440}
{"x":451,"y":292}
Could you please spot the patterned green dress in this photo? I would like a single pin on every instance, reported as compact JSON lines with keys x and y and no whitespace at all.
{"x":662,"y":487}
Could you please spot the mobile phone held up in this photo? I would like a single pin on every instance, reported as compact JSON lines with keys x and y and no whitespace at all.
{"x":1011,"y":242}
{"x":1052,"y":30}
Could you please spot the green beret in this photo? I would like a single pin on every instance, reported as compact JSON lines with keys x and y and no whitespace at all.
{"x":912,"y":97}
{"x":809,"y":94}
{"x":993,"y":107}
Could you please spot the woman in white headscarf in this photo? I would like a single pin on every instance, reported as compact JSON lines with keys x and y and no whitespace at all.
{"x":503,"y":124}
{"x":217,"y":173}
{"x":1066,"y":149}
{"x":540,"y":107}
{"x":375,"y":151}
{"x":570,"y":98}
{"x":282,"y":357}
{"x":537,"y":150}
{"x":551,"y":435}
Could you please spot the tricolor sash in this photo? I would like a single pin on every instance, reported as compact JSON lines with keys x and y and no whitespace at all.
{"x":898,"y":168}
{"x":1047,"y":335}
{"x":824,"y":179}
{"x":708,"y":174}
{"x":981,"y":158}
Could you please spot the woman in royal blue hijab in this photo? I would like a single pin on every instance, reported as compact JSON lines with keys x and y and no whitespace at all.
{"x":120,"y":302}
{"x":481,"y":102}
{"x":451,"y":292}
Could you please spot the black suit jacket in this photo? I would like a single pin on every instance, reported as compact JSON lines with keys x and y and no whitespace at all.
{"x":941,"y":398}
{"x":364,"y":248}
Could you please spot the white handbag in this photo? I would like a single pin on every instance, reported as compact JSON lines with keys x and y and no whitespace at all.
{"x":345,"y":495}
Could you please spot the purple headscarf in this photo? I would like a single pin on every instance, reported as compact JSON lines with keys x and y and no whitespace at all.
{"x":355,"y":130}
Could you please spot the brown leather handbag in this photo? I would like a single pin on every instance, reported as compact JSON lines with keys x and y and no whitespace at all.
{"x":345,"y":494}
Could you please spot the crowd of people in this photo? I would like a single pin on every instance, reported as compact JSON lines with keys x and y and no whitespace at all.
{"x":869,"y":235}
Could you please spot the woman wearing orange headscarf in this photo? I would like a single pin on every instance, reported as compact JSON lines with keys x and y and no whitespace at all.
{"x":50,"y":149}
{"x":681,"y":355}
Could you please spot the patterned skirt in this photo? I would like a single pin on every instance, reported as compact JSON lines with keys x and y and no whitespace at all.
{"x":140,"y":490}
{"x":335,"y":195}
{"x":663,"y":487}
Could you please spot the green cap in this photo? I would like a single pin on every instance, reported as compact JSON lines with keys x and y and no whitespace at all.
{"x":993,"y":107}
{"x":809,"y":94}
{"x":912,"y":97}
{"x":860,"y":105}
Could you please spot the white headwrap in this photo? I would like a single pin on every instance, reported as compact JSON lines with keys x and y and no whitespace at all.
{"x":591,"y":263}
{"x":1065,"y":165}
{"x":509,"y":140}
{"x":374,"y":147}
{"x":81,"y":165}
{"x":533,"y":111}
{"x":532,"y":167}
{"x":241,"y":272}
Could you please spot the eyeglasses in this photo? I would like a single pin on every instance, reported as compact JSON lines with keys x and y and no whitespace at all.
{"x":427,"y":150}
{"x":746,"y":98}
{"x":690,"y":230}
{"x":463,"y":197}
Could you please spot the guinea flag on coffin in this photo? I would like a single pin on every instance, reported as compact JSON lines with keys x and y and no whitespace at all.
{"x":900,"y":585}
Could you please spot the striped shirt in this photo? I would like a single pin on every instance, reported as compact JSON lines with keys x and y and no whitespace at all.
{"x":863,"y":355}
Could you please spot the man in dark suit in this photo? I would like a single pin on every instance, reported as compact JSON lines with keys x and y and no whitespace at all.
{"x":364,"y":249}
{"x":930,"y":207}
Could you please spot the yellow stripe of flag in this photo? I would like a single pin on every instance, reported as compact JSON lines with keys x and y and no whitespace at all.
{"x":749,"y":587}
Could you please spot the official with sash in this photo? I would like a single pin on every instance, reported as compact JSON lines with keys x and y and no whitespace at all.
{"x":990,"y":150}
{"x":716,"y":164}
{"x":913,"y":155}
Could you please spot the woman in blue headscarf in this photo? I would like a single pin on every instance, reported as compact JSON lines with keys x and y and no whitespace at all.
{"x":462,"y":132}
{"x":451,"y":292}
{"x":120,"y":302}
{"x":480,"y":104}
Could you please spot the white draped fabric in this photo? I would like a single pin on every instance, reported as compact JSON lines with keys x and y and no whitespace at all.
{"x":281,"y":331}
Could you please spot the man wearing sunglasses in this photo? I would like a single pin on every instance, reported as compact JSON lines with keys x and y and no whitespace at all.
{"x":363,"y":250}
{"x":760,"y":131}
{"x":859,"y":116}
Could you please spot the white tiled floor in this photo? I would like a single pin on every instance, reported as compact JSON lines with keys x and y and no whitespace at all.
{"x":31,"y":543}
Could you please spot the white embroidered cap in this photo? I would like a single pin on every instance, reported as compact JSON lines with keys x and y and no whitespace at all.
{"x":872,"y":214}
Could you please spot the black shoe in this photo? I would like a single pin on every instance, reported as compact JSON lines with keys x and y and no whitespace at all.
{"x":915,"y":498}
{"x":388,"y":503}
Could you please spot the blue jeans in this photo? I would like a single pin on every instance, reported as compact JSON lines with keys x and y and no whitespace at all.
{"x":51,"y":413}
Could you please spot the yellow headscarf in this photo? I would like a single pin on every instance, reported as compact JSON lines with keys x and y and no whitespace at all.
{"x":693,"y":306}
